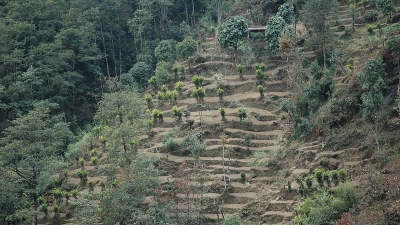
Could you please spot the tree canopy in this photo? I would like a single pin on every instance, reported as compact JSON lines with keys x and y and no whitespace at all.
{"x":233,"y":31}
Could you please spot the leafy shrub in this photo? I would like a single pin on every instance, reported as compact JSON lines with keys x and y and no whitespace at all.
{"x":239,"y":68}
{"x":247,"y":140}
{"x":199,"y":94}
{"x":160,"y":96}
{"x":220,"y":93}
{"x":232,"y":220}
{"x":197,"y":80}
{"x":259,"y":66}
{"x":186,"y":48}
{"x":369,"y":29}
{"x":93,"y":152}
{"x":309,"y":181}
{"x":243,"y":176}
{"x":178,"y":86}
{"x":170,"y":144}
{"x":95,"y":160}
{"x":260,"y":89}
{"x":222,"y":112}
{"x":318,"y":174}
{"x":348,"y":194}
{"x":177,"y":112}
{"x":259,"y":74}
{"x":190,"y":60}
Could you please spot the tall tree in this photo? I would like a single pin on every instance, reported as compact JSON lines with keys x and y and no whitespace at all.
{"x":315,"y":18}
{"x":30,"y":145}
{"x":232,"y":32}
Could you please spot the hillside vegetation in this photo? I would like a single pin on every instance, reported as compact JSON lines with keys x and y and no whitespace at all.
{"x":172,"y":112}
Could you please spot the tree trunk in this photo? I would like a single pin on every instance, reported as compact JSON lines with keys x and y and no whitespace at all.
{"x":105,"y":52}
{"x":223,"y":164}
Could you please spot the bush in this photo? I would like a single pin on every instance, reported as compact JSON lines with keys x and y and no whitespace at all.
{"x":239,"y":68}
{"x":160,"y":96}
{"x":348,"y":194}
{"x":175,"y":70}
{"x":198,"y":81}
{"x":220,"y":93}
{"x":342,"y":175}
{"x":371,"y":16}
{"x":170,"y":144}
{"x":247,"y":140}
{"x":369,"y":29}
{"x":222,"y":112}
{"x":309,"y":181}
{"x":164,"y":88}
{"x":242,"y":113}
{"x":232,"y":220}
{"x":186,"y":48}
{"x":74,"y":194}
{"x":178,"y":86}
{"x":260,"y":89}
{"x":318,"y":174}
{"x":165,"y":51}
{"x":177,"y":112}
{"x":259,"y":74}
{"x":95,"y":160}
{"x":243,"y":176}
{"x":157,"y":115}
{"x":190,"y":60}
{"x":93,"y":152}
{"x":259,"y":66}
{"x":199,"y":94}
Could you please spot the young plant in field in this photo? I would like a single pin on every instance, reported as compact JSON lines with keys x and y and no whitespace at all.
{"x":197,"y":80}
{"x":160,"y":97}
{"x":239,"y":68}
{"x":259,"y":66}
{"x":247,"y":140}
{"x":177,"y":112}
{"x":335,"y":177}
{"x":318,"y":174}
{"x":157,"y":115}
{"x":220,"y":93}
{"x":95,"y":160}
{"x":222,"y":112}
{"x":190,"y":60}
{"x":164,"y":89}
{"x":175,"y":70}
{"x":182,"y":74}
{"x":309,"y":181}
{"x":260,"y":89}
{"x":199,"y":94}
{"x":91,"y":184}
{"x":342,"y":175}
{"x":326,"y":178}
{"x":149,"y":100}
{"x":259,"y":75}
{"x":179,"y":86}
{"x":93,"y":152}
{"x":153,"y":81}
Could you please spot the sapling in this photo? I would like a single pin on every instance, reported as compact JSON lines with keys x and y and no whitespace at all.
{"x":247,"y":140}
{"x":220,"y":93}
{"x":239,"y":68}
{"x":260,"y":89}
{"x":222,"y":112}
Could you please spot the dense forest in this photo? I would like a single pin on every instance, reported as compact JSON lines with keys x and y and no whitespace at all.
{"x":92,"y":94}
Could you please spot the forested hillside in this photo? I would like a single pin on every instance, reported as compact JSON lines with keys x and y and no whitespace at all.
{"x":199,"y":112}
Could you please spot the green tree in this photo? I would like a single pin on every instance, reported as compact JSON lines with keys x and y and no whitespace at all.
{"x":372,"y":84}
{"x":286,"y":11}
{"x":387,"y":7}
{"x":165,"y":51}
{"x":122,"y":116}
{"x":275,"y":27}
{"x":315,"y":18}
{"x":162,"y":72}
{"x":232,"y":32}
{"x":31,"y":148}
{"x":186,"y":48}
{"x":232,"y":220}
{"x":140,"y":73}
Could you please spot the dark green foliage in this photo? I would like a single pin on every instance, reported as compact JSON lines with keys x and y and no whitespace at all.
{"x":309,"y":181}
{"x":335,"y":177}
{"x":242,"y":113}
{"x":165,"y":51}
{"x":232,"y":32}
{"x":243,"y":176}
{"x":275,"y":27}
{"x":387,"y":7}
{"x":186,"y":48}
{"x":222,"y":112}
{"x":347,"y":195}
{"x":162,"y":72}
{"x":140,"y":73}
{"x":197,"y":80}
{"x":193,"y":145}
{"x":232,"y":220}
{"x":199,"y":94}
{"x":220,"y":93}
{"x":318,"y":174}
{"x":316,"y":210}
{"x":259,"y":74}
{"x":247,"y":140}
{"x":342,"y":175}
{"x":371,"y":81}
{"x":177,"y":112}
{"x":286,"y":11}
{"x":239,"y":68}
